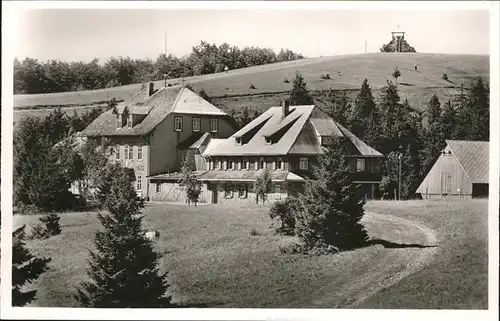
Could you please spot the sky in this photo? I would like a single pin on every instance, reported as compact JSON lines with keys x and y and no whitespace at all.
{"x":81,"y":34}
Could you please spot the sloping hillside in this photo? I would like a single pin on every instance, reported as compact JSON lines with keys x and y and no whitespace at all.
{"x":346,"y":72}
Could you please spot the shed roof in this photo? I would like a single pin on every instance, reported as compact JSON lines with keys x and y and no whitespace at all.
{"x":156,"y":108}
{"x":473,"y":156}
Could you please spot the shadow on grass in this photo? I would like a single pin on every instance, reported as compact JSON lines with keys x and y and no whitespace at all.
{"x":392,"y":245}
{"x":406,"y":84}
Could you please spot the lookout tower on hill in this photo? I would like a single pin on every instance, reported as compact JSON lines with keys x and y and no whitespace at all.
{"x":398,"y":36}
{"x":397,"y":43}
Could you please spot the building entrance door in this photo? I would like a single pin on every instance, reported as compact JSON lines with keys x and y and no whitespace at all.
{"x":214,"y":194}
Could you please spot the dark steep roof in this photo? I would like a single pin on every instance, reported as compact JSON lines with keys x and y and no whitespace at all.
{"x":156,"y":108}
{"x":296,"y":133}
{"x":474,"y":158}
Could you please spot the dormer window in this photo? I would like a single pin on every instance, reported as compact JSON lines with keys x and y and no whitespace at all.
{"x":326,"y":140}
{"x":119,"y":121}
{"x":129,"y":121}
{"x":268,"y":140}
{"x":238,"y":140}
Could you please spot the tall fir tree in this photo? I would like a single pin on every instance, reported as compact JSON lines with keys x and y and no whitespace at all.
{"x":299,"y":94}
{"x":26,"y":268}
{"x":390,"y":125}
{"x":473,"y":113}
{"x":433,"y":137}
{"x":448,"y":121}
{"x":333,"y":205}
{"x":123,"y":270}
{"x":364,"y":116}
{"x":340,"y":109}
{"x":480,"y":111}
{"x":39,"y":179}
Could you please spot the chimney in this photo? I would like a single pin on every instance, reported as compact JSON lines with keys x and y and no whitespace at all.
{"x":285,"y":108}
{"x":151,"y":88}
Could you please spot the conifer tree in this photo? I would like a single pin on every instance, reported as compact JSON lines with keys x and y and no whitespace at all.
{"x":396,"y":74}
{"x":340,"y":109}
{"x":364,"y":116}
{"x":448,"y":121}
{"x":333,"y":205}
{"x":480,"y":111}
{"x":473,"y":113}
{"x":390,"y":125}
{"x":26,"y":268}
{"x":433,"y":139}
{"x":299,"y":94}
{"x":123,"y":270}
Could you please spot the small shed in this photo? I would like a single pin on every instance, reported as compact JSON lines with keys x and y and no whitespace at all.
{"x":460,"y":171}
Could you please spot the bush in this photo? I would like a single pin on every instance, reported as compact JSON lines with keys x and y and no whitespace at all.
{"x":285,"y":211}
{"x":445,"y":77}
{"x":262,"y":186}
{"x":325,"y":76}
{"x":286,"y":81}
{"x":254,"y":232}
{"x":52,"y":225}
{"x":293,"y":248}
{"x":38,"y":232}
{"x":252,"y":86}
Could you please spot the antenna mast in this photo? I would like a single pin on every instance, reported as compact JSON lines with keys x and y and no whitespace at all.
{"x":165,"y":40}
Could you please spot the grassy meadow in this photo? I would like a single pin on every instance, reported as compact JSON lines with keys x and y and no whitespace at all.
{"x":214,"y":260}
{"x":346,"y":72}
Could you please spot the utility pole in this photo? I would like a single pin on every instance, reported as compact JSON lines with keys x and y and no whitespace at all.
{"x":399,"y":177}
{"x":165,"y":40}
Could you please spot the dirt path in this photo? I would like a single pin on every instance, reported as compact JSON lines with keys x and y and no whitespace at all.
{"x":408,"y":247}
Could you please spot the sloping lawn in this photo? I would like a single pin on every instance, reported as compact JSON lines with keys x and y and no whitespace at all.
{"x":214,"y":261}
{"x":346,"y":71}
{"x":458,"y":277}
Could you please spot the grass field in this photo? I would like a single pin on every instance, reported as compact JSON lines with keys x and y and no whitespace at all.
{"x":214,"y":261}
{"x":458,"y":278}
{"x":346,"y":72}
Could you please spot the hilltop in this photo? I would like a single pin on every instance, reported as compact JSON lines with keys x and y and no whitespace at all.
{"x":233,"y":88}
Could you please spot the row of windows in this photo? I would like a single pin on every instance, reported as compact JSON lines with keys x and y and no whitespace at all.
{"x":259,"y":164}
{"x":128,"y":152}
{"x":241,"y":189}
{"x":179,"y":124}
